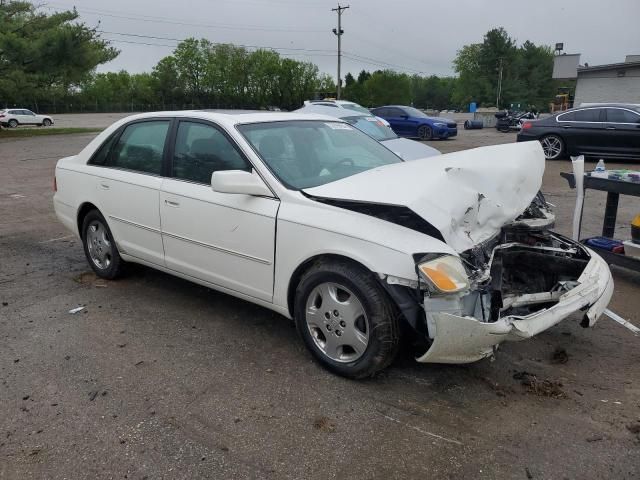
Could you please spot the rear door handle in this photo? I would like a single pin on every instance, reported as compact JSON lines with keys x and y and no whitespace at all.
{"x":566,"y":126}
{"x":171,"y":203}
{"x":610,"y":128}
{"x":104,"y":186}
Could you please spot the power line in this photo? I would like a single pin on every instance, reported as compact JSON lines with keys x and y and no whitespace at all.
{"x":379,"y":63}
{"x":217,"y":43}
{"x":152,"y":19}
{"x":132,"y":42}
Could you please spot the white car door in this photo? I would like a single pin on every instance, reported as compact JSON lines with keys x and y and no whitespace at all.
{"x":225,"y":239}
{"x":29,"y":118}
{"x":127,"y":171}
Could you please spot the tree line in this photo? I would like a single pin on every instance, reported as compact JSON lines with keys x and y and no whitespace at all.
{"x":48,"y":63}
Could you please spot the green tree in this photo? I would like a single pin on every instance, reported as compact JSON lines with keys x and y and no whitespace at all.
{"x":43,"y":54}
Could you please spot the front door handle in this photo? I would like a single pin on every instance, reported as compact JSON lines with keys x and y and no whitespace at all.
{"x":171,"y":203}
{"x":566,"y":126}
{"x":610,"y":128}
{"x":104,"y":186}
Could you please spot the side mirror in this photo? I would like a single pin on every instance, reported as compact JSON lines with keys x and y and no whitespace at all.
{"x":239,"y":182}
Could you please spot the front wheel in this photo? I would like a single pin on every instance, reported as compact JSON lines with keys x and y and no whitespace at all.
{"x":46,"y":122}
{"x":425,"y":132}
{"x":346,"y":319}
{"x":99,"y":246}
{"x":553,"y":146}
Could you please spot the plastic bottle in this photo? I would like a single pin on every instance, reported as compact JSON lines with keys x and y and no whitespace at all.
{"x":600,"y":170}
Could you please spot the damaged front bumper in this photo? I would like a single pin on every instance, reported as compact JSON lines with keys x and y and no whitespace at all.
{"x":464,"y":339}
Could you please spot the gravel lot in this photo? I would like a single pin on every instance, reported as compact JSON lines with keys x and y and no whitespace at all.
{"x":160,"y":378}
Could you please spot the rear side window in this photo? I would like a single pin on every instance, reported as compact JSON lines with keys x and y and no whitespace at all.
{"x":202,"y":149}
{"x":567,"y":117}
{"x":140,"y":147}
{"x":589,"y":115}
{"x":618,"y":115}
{"x":100,"y":157}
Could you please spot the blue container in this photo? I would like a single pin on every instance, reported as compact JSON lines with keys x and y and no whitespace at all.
{"x":473,"y":107}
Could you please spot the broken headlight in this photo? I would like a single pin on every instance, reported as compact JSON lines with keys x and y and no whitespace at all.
{"x":445,"y":274}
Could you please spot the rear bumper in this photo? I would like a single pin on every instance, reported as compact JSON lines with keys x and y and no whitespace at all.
{"x":460,"y":339}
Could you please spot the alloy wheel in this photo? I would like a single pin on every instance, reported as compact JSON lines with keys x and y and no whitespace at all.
{"x":337,"y":322}
{"x":552,"y":146}
{"x":99,"y":245}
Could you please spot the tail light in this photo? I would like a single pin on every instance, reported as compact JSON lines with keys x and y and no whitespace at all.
{"x":2,"y":115}
{"x":527,"y":125}
{"x":55,"y":184}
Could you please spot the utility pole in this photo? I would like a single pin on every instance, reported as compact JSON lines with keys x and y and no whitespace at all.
{"x":339,"y":32}
{"x":499,"y":84}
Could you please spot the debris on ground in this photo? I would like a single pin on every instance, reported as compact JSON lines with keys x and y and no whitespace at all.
{"x":595,"y":438}
{"x":501,"y":390}
{"x":92,"y":395}
{"x":543,"y":388}
{"x":76,"y":310}
{"x":528,"y":472}
{"x":559,"y":356}
{"x":324,"y":424}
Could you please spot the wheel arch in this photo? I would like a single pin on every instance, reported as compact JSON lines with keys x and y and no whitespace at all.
{"x":306,"y":264}
{"x":85,"y":208}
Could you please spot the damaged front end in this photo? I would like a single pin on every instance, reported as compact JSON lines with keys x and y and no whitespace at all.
{"x":511,"y":287}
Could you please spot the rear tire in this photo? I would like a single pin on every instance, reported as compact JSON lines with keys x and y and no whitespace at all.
{"x":13,"y":123}
{"x":425,"y":132}
{"x":99,"y":246}
{"x":553,"y":147}
{"x":346,"y":319}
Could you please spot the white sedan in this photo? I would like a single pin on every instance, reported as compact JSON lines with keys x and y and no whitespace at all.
{"x":12,"y":117}
{"x":313,"y":219}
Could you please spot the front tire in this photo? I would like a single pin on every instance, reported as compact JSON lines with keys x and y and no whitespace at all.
{"x":13,"y":123}
{"x":425,"y":132}
{"x":99,"y":246}
{"x":46,"y":122}
{"x":553,"y":146}
{"x":346,"y":319}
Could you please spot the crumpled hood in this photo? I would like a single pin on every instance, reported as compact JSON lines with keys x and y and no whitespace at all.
{"x":468,"y":196}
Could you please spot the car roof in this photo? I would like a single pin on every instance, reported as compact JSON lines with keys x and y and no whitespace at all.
{"x":331,"y":111}
{"x":630,"y":106}
{"x":231,"y":119}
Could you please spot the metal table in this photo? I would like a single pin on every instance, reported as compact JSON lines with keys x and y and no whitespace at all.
{"x":614,"y":189}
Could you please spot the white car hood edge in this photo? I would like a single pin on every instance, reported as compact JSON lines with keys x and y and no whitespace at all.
{"x":468,"y":196}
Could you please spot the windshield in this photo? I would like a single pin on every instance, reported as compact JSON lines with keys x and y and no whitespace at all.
{"x":356,"y":108}
{"x":414,"y":112}
{"x":309,"y":153}
{"x":372,"y":127}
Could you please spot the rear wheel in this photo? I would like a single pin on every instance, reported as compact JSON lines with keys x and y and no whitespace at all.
{"x":553,"y":146}
{"x":99,"y":246}
{"x":13,"y":123}
{"x":425,"y":132}
{"x":346,"y":319}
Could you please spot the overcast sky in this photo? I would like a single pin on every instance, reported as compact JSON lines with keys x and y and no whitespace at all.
{"x":406,"y":35}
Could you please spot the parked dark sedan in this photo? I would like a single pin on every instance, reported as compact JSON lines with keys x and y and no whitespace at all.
{"x":596,"y":130}
{"x":411,"y":122}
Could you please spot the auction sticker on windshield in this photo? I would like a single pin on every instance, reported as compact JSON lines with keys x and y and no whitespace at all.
{"x":338,"y":126}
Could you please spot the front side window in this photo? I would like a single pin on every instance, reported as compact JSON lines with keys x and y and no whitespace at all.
{"x":618,"y":115}
{"x":201,"y":150}
{"x":309,"y":153}
{"x":414,"y":112}
{"x":140,"y":147}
